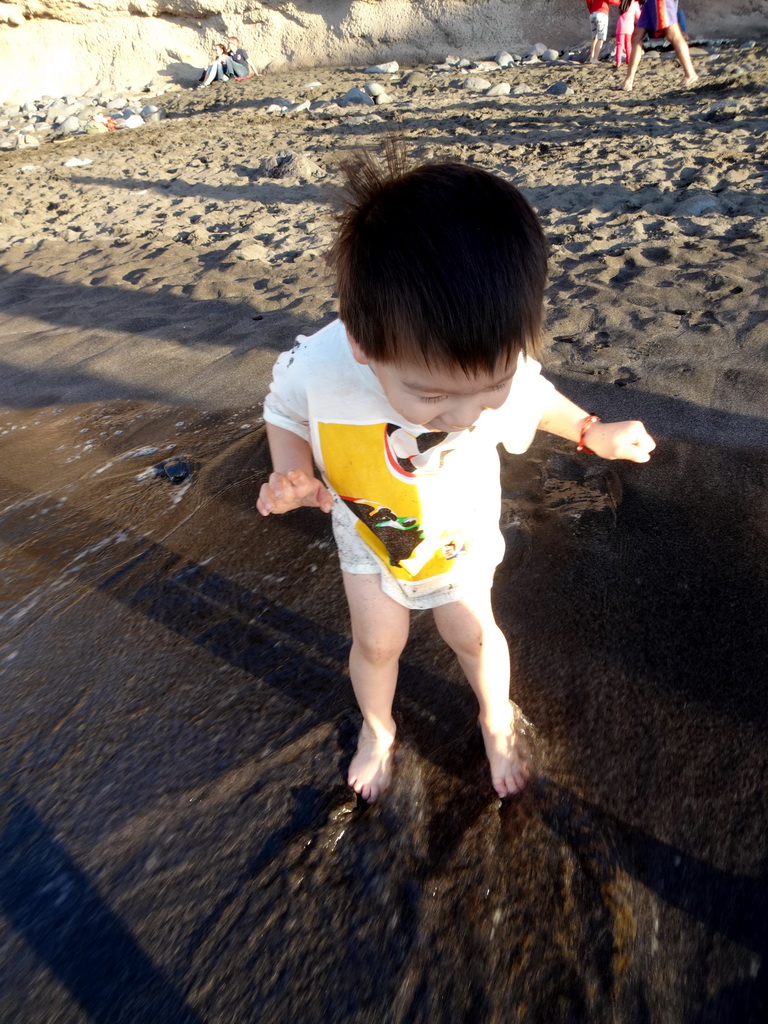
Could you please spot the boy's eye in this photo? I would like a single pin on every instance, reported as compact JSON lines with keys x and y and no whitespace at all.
{"x":435,"y":398}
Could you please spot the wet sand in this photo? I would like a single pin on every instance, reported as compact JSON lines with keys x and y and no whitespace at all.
{"x":176,"y":839}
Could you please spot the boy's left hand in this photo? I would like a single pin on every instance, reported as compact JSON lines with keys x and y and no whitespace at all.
{"x":627,"y":439}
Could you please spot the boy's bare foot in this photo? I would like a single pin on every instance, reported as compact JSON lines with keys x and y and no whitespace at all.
{"x":628,"y":83}
{"x":507,"y":758}
{"x":371,"y":768}
{"x":690,"y":80}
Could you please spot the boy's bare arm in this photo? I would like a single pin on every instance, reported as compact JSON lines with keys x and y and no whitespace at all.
{"x":292,"y":483}
{"x":627,"y":439}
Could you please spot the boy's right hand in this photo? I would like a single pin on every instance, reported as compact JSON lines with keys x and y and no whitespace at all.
{"x":284,"y":492}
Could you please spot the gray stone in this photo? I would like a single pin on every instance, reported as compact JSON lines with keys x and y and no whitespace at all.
{"x":550,"y":55}
{"x":29,"y":141}
{"x":502,"y":89}
{"x":290,"y":166}
{"x":522,"y":90}
{"x":748,"y":44}
{"x":504,"y":59}
{"x":476,"y":84}
{"x":464,"y":63}
{"x":133,"y":121}
{"x":356,"y":96}
{"x":382,"y":98}
{"x":69,"y":125}
{"x":301,"y":107}
{"x":536,"y":50}
{"x":117,"y":103}
{"x":696,"y":205}
{"x":560,"y":89}
{"x":156,"y":115}
{"x":415,"y":78}
{"x":453,"y":61}
{"x":383,"y":69}
{"x":374,"y":89}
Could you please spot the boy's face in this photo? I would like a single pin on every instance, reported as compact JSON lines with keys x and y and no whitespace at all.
{"x":443,"y":399}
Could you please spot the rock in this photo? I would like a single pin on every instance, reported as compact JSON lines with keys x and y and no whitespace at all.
{"x":28,"y":142}
{"x":362,"y":119}
{"x":550,"y":55}
{"x":536,"y":50}
{"x":504,"y":59}
{"x":414,"y":79}
{"x":117,"y":103}
{"x":252,"y":251}
{"x":76,"y":161}
{"x":304,"y":105}
{"x":355,"y":96}
{"x":522,"y":90}
{"x":696,"y":205}
{"x":69,"y":126}
{"x":11,"y":15}
{"x":288,"y":165}
{"x":311,"y":86}
{"x":748,"y":44}
{"x":502,"y":89}
{"x":560,"y":89}
{"x":383,"y":69}
{"x":157,"y":115}
{"x":476,"y":84}
{"x":275,"y":108}
{"x":464,"y":63}
{"x":374,"y":89}
{"x":133,"y":121}
{"x":382,"y":98}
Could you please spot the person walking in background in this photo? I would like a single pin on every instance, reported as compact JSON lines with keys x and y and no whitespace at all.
{"x":659,"y":16}
{"x":629,"y":12}
{"x":598,"y":23}
{"x":239,"y":64}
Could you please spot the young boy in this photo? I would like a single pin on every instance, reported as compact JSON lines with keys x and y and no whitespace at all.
{"x":400,"y":404}
{"x":598,"y":23}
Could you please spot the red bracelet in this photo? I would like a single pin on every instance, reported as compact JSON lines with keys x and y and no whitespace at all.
{"x":586,"y":424}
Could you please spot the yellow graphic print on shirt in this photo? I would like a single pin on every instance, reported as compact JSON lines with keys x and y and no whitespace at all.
{"x":390,"y":480}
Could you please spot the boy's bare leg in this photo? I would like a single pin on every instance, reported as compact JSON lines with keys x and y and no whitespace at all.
{"x":676,"y":37}
{"x":596,"y":45}
{"x":637,"y":52}
{"x":470,"y":630}
{"x":379,"y":632}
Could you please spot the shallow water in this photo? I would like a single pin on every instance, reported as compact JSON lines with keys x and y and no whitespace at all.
{"x":176,"y":839}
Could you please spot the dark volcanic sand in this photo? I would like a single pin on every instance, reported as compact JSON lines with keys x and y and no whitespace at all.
{"x":177,"y":843}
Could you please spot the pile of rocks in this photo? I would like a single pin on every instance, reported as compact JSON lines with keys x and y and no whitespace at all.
{"x":49,"y":118}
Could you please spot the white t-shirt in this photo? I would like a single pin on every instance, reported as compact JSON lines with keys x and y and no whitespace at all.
{"x":425,"y":504}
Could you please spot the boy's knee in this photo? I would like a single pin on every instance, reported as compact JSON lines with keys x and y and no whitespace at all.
{"x":378,"y":650}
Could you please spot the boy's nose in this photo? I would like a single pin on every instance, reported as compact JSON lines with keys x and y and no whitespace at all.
{"x":463,"y":417}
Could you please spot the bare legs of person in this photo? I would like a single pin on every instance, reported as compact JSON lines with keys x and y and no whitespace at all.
{"x":380,"y":629}
{"x":677,"y":39}
{"x":679,"y":45}
{"x":637,"y":52}
{"x":379,"y":633}
{"x":469,"y":628}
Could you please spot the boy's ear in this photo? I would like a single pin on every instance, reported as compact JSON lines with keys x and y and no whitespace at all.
{"x":357,"y":352}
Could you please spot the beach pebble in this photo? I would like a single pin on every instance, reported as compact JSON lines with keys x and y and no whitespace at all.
{"x":536,"y":50}
{"x":502,"y":89}
{"x":414,"y":79}
{"x":383,"y":69}
{"x":254,"y":251}
{"x":69,"y":126}
{"x":374,"y":89}
{"x":504,"y":59}
{"x":560,"y":89}
{"x":550,"y":55}
{"x":288,"y":165}
{"x":133,"y":121}
{"x":522,"y":90}
{"x":311,"y":86}
{"x":76,"y":161}
{"x":696,"y":205}
{"x":748,"y":44}
{"x":355,"y":96}
{"x":298,"y":108}
{"x":382,"y":98}
{"x":475,"y":83}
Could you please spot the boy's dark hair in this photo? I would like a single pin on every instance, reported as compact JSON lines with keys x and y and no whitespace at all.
{"x":443,"y":264}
